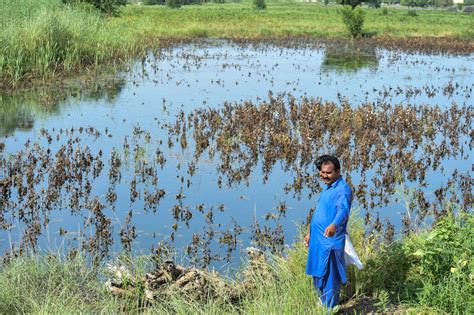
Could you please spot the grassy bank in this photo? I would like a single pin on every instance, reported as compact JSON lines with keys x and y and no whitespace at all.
{"x":45,"y":39}
{"x":430,"y":271}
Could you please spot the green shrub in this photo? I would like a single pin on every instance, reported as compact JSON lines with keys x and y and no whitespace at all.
{"x":175,"y":4}
{"x":412,"y":13}
{"x":260,"y":4}
{"x":352,"y":3}
{"x":384,"y":11}
{"x":105,"y":6}
{"x":441,"y":265}
{"x":468,"y":2}
{"x":353,"y":20}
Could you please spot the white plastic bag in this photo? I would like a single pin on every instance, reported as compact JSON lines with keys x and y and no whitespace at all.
{"x":350,"y":255}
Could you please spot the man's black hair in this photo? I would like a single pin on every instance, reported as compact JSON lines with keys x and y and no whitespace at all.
{"x":323,"y":159}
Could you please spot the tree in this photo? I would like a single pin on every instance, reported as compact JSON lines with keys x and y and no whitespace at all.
{"x":353,"y":19}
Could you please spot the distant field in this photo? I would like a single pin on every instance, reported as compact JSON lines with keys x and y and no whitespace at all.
{"x":45,"y":39}
{"x":290,"y":19}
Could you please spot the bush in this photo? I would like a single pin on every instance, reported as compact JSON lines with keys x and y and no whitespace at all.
{"x":353,"y":20}
{"x":105,"y":6}
{"x":412,"y":13}
{"x":441,"y":265}
{"x":175,"y":4}
{"x":352,"y":3}
{"x":468,"y":2}
{"x":384,"y":11}
{"x":260,"y":4}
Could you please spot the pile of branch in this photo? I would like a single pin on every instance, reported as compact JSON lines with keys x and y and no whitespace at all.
{"x":169,"y":278}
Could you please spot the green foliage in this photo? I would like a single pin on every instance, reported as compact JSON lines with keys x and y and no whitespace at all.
{"x":412,"y":13}
{"x":352,"y":3}
{"x":47,"y":284}
{"x":353,"y":20}
{"x":468,"y":2}
{"x":175,"y":4}
{"x":105,"y":6}
{"x":442,"y":269}
{"x":430,"y":269}
{"x":384,"y":11}
{"x":218,"y":1}
{"x":260,"y":4}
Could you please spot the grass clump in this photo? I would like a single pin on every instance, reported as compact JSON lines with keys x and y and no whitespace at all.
{"x":49,"y":39}
{"x":105,"y":6}
{"x":48,"y":284}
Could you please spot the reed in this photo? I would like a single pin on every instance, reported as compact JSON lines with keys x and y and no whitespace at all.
{"x":46,"y":39}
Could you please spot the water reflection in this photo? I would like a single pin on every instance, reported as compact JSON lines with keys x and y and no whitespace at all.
{"x":19,"y":110}
{"x":349,"y":59}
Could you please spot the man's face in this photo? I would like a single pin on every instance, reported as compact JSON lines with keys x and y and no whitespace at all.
{"x":328,"y":174}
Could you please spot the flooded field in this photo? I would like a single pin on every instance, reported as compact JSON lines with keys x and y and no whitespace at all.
{"x":205,"y":149}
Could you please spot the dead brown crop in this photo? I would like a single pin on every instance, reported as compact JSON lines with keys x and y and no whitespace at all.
{"x":395,"y":143}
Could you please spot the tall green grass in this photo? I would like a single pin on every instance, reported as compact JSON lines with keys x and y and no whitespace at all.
{"x":45,"y":39}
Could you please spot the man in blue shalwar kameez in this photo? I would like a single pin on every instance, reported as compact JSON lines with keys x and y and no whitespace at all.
{"x":326,"y":237}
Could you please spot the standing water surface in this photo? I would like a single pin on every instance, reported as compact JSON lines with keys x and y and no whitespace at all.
{"x":205,"y":149}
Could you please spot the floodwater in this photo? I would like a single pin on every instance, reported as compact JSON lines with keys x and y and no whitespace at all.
{"x":158,"y":157}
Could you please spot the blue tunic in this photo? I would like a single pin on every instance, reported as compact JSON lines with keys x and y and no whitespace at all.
{"x":326,"y":254}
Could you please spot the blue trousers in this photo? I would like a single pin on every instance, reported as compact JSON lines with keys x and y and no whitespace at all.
{"x":329,"y":286}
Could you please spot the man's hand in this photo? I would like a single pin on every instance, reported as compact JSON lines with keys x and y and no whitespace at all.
{"x":306,"y":240}
{"x":330,"y":230}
